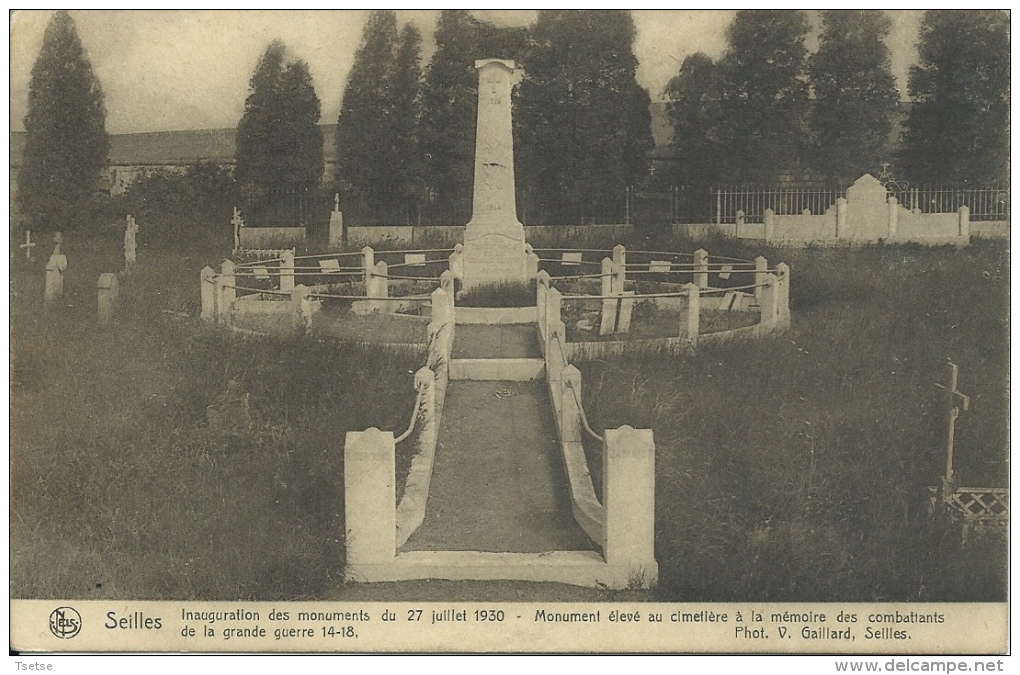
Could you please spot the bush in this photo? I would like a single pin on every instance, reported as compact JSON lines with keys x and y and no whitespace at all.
{"x":174,"y":205}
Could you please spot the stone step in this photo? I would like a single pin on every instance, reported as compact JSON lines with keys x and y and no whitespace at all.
{"x":495,"y":316}
{"x":515,"y":370}
{"x":496,"y":342}
{"x":581,"y":568}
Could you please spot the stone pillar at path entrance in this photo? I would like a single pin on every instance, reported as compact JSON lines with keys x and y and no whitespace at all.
{"x":494,"y":239}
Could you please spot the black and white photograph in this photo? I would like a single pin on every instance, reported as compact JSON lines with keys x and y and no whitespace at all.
{"x":511,"y":331}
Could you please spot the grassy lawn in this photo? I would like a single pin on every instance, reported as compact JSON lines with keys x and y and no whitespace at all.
{"x":120,"y":485}
{"x":792,"y":468}
{"x":796,"y":467}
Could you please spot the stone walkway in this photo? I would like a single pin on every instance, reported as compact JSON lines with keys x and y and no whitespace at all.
{"x":498,"y":483}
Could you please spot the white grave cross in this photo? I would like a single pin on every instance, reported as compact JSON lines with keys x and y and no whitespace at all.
{"x":28,"y":245}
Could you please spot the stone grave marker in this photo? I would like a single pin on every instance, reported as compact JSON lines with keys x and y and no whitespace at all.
{"x":106,"y":291}
{"x":868,"y":212}
{"x":572,"y":258}
{"x":414,"y":259}
{"x":727,"y":270}
{"x":55,"y":268}
{"x":659,"y":266}
{"x":336,"y":225}
{"x":331,"y":266}
{"x":261,"y":272}
{"x":130,"y":244}
{"x":626,"y":310}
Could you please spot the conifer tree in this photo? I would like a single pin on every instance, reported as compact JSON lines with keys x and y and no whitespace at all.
{"x":279,"y":144}
{"x":449,"y":107}
{"x":855,"y":94}
{"x":405,"y":130}
{"x":66,"y":144}
{"x":958,"y":128}
{"x":694,"y":114}
{"x":763,"y":95}
{"x":583,"y":122}
{"x":366,"y":155}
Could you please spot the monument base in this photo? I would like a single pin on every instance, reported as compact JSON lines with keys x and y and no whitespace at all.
{"x":494,"y":255}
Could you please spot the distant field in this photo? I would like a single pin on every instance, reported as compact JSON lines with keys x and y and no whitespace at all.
{"x":794,"y":468}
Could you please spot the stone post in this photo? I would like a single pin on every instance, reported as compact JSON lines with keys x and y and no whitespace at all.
{"x":701,"y":268}
{"x":380,"y":286}
{"x":761,"y":264}
{"x":628,"y":479}
{"x":965,"y":222}
{"x":208,"y":288}
{"x":457,"y":262}
{"x":55,"y":268}
{"x":530,"y":262}
{"x":370,"y":497}
{"x":783,"y":295}
{"x":570,"y":412}
{"x":553,"y":308}
{"x":841,"y":217}
{"x":107,"y":297}
{"x":770,"y":225}
{"x":691,"y":326}
{"x":336,"y":226}
{"x":541,"y":293}
{"x":446,"y":282}
{"x":739,"y":224}
{"x":619,"y":268}
{"x":609,"y":305}
{"x":442,"y":308}
{"x":626,"y":310}
{"x":368,"y":264}
{"x":893,"y":217}
{"x":301,"y":309}
{"x":287,"y":271}
{"x":228,"y":294}
{"x":769,"y":301}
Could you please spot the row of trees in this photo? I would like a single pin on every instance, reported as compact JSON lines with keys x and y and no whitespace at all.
{"x":766,"y":108}
{"x":405,"y":138}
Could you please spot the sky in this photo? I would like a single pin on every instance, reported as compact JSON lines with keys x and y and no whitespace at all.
{"x":189,"y":69}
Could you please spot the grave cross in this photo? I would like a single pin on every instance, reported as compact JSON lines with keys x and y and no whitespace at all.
{"x":238,"y":222}
{"x":336,"y":201}
{"x":28,"y":245}
{"x":954,"y":400}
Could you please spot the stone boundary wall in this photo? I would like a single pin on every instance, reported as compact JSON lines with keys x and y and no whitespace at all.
{"x":435,"y":378}
{"x":369,"y":235}
{"x":366,"y":236}
{"x":623,"y":522}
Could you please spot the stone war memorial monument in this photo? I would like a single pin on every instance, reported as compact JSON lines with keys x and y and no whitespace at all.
{"x":494,"y":239}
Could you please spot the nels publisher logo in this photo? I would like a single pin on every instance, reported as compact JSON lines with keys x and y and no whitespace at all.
{"x":65,"y":622}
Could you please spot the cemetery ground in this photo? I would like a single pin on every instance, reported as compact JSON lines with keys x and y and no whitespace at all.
{"x":793,"y":468}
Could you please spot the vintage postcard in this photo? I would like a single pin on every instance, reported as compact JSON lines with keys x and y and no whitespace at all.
{"x":640,"y":332}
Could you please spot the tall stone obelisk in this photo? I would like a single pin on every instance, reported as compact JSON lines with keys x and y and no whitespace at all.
{"x":494,"y":239}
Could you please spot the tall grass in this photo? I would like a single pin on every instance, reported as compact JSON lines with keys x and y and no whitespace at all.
{"x":124,"y":486}
{"x":499,"y":294}
{"x":796,"y":468}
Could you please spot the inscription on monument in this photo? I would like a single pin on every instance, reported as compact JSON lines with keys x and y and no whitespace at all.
{"x":494,"y":239}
